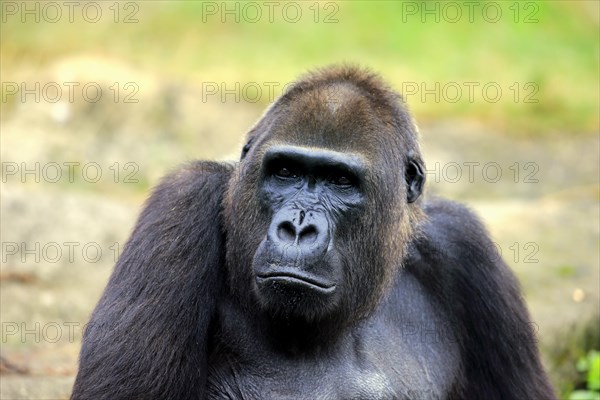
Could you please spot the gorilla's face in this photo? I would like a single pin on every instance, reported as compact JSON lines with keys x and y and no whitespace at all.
{"x":317,"y":213}
{"x":312,"y":196}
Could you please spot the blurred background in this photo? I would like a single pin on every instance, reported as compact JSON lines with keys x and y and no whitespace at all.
{"x":100,"y":99}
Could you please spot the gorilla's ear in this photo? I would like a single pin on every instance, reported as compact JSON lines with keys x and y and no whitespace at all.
{"x":246,"y":148}
{"x":414,"y":179}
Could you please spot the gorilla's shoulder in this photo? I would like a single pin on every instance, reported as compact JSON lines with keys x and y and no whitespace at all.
{"x":454,"y":258}
{"x":450,"y":232}
{"x":446,"y":214}
{"x":196,"y":187}
{"x":191,"y":178}
{"x":196,"y":172}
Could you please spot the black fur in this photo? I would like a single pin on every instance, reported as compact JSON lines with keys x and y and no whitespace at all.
{"x":456,"y":263}
{"x":147,"y":338}
{"x":272,"y":278}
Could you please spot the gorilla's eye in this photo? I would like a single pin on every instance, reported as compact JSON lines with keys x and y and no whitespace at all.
{"x":341,"y":180}
{"x":285,"y":173}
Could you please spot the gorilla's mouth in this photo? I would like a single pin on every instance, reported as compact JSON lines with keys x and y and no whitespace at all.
{"x":295,"y":278}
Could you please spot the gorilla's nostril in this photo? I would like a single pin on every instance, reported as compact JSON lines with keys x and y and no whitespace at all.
{"x":308,"y":235}
{"x":286,"y":232}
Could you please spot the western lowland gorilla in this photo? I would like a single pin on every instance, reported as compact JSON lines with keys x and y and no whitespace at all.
{"x":311,"y":269}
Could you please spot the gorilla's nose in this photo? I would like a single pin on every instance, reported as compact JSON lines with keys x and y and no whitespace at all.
{"x":306,"y":229}
{"x":300,"y":235}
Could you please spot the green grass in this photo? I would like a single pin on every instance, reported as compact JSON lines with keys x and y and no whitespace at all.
{"x":559,"y":53}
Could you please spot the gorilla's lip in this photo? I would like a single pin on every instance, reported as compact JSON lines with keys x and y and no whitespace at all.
{"x":298,"y":278}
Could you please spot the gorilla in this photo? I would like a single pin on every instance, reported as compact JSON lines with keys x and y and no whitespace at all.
{"x":311,"y":269}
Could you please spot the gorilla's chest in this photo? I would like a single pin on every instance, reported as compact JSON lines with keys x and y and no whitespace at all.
{"x":371,"y":375}
{"x":405,"y":351}
{"x":302,"y":380}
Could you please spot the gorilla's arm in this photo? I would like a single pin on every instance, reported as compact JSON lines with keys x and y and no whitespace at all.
{"x":147,"y":337}
{"x":458,"y":264}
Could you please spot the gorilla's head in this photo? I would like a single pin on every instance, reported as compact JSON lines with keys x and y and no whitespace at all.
{"x":324,"y":201}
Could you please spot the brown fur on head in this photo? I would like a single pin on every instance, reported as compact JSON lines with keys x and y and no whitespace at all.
{"x":350,"y":111}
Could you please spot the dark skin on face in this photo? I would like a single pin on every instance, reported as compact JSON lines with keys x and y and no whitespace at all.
{"x":309,"y":193}
{"x":311,"y":269}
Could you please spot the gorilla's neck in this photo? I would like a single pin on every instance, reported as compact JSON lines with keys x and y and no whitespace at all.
{"x":298,"y":336}
{"x":286,"y":335}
